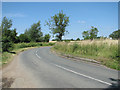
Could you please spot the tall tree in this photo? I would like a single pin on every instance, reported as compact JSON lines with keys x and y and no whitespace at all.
{"x":57,"y":24}
{"x":115,"y":34}
{"x":85,"y":35}
{"x":8,"y":34}
{"x":24,"y":38}
{"x":90,"y":34}
{"x":34,"y":32}
{"x":93,"y":33}
{"x":47,"y":37}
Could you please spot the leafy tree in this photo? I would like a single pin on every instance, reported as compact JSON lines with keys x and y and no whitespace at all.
{"x":78,"y":39}
{"x":115,"y":34}
{"x":8,"y":35}
{"x":14,"y":36}
{"x":47,"y":38}
{"x":86,"y":35}
{"x":34,"y":33}
{"x":24,"y":38}
{"x":72,"y":39}
{"x":93,"y":33}
{"x":57,"y":24}
{"x":90,"y":34}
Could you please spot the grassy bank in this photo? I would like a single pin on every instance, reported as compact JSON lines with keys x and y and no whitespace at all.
{"x":104,"y":51}
{"x":8,"y":56}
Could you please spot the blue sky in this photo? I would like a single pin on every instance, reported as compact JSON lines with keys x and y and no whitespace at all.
{"x":83,"y":15}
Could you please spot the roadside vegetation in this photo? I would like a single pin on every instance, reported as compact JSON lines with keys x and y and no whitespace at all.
{"x":104,"y":51}
{"x":8,"y":56}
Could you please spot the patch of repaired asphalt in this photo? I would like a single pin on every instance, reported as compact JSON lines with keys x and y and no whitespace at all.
{"x":7,"y":82}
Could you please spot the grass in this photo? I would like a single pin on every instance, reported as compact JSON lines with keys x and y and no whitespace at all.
{"x":104,"y":51}
{"x":6,"y":57}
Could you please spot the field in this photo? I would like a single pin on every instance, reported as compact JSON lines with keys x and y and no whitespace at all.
{"x":104,"y":51}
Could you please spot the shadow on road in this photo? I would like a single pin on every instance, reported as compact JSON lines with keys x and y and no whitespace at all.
{"x":114,"y":86}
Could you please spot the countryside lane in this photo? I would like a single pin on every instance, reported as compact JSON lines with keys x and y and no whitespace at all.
{"x":52,"y":71}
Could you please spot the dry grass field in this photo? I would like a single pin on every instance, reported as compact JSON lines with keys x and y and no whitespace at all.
{"x":104,"y":51}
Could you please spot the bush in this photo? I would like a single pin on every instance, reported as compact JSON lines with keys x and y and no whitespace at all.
{"x":51,"y":44}
{"x":32,"y":44}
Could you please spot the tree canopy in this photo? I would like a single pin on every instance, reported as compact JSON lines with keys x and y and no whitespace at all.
{"x":115,"y":34}
{"x":57,"y":24}
{"x":9,"y":36}
{"x":90,"y":34}
{"x":34,"y":32}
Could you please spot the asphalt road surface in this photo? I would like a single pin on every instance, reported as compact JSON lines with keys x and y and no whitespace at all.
{"x":51,"y":71}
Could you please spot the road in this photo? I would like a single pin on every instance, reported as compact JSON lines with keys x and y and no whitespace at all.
{"x":48,"y":70}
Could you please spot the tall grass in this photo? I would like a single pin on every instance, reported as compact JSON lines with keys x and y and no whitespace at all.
{"x":105,"y":51}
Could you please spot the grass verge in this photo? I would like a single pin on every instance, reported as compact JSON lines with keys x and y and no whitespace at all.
{"x":8,"y":56}
{"x":104,"y":51}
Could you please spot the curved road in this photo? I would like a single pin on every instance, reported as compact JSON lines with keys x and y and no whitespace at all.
{"x":51,"y":71}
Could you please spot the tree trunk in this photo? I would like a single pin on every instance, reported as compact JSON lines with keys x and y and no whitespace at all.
{"x":60,"y":37}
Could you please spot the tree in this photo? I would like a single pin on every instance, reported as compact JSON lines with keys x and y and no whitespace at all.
{"x":86,"y":35}
{"x":115,"y":34}
{"x":34,"y":33}
{"x":14,"y":36}
{"x":57,"y":24}
{"x":47,"y":38}
{"x":24,"y":38}
{"x":93,"y":33}
{"x":90,"y":34}
{"x":78,"y":39}
{"x":8,"y":34}
{"x":72,"y":39}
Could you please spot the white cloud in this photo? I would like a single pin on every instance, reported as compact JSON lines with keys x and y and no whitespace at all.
{"x":81,"y":21}
{"x":14,"y":15}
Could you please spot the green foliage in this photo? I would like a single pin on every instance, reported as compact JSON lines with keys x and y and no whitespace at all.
{"x":86,"y":35}
{"x":106,"y":53}
{"x":78,"y":39}
{"x":47,"y":37}
{"x":57,"y":24}
{"x":24,"y":38}
{"x":32,"y":44}
{"x":115,"y":34}
{"x":91,"y":34}
{"x":34,"y":33}
{"x":6,"y":56}
{"x":9,"y":36}
{"x":7,"y":45}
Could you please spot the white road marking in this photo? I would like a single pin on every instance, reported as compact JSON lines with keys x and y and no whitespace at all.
{"x":82,"y":75}
{"x":37,"y":55}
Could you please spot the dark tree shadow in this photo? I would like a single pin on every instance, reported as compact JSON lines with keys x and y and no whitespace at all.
{"x":114,"y":86}
{"x":12,"y":52}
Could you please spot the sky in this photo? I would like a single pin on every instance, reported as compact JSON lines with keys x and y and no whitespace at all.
{"x":83,"y":15}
